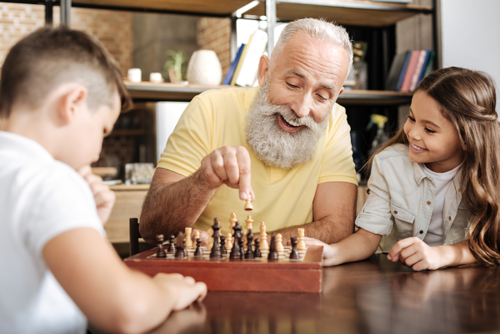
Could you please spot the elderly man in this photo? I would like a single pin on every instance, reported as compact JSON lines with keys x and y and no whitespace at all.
{"x":285,"y":144}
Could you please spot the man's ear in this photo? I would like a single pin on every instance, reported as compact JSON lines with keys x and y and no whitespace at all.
{"x":71,"y":101}
{"x":263,"y":69}
{"x":341,"y":90}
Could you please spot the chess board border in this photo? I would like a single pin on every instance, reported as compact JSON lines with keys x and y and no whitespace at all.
{"x":240,"y":275}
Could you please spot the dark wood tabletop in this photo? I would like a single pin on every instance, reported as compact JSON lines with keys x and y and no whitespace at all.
{"x":372,"y":296}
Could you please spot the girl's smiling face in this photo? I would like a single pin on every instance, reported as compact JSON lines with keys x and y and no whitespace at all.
{"x":433,"y":138}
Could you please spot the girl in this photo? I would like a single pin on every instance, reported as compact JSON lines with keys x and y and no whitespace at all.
{"x":435,"y":186}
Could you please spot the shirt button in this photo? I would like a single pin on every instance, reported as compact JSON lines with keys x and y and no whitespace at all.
{"x":421,"y":232}
{"x":395,"y":212}
{"x":428,"y":202}
{"x":449,"y":218}
{"x":459,"y":189}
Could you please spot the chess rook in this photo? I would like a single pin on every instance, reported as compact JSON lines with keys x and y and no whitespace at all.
{"x":160,"y":252}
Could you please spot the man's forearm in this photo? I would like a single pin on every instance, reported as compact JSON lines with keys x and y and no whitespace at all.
{"x":169,"y":208}
{"x":328,"y":230}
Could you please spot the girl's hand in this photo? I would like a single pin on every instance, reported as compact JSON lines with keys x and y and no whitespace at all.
{"x":103,"y":196}
{"x":416,"y":254}
{"x":328,"y":251}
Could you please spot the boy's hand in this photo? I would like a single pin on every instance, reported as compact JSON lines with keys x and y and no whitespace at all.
{"x":416,"y":254}
{"x":183,"y":290}
{"x":329,"y":258}
{"x":103,"y":196}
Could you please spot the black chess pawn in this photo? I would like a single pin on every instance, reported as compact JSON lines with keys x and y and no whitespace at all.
{"x":273,"y":251}
{"x":179,"y":249}
{"x":185,"y":248}
{"x":160,"y":252}
{"x":223,"y":249}
{"x":294,"y":255}
{"x":256,"y":252}
{"x":198,"y":252}
{"x":171,"y":246}
{"x":215,"y":252}
{"x":241,"y":241}
{"x":249,"y":253}
{"x":236,"y":250}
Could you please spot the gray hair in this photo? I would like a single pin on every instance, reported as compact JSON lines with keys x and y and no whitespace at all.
{"x":318,"y":29}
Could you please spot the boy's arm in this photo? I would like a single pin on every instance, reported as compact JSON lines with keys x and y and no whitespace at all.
{"x":356,"y":247}
{"x":415,"y":253}
{"x":114,"y":298}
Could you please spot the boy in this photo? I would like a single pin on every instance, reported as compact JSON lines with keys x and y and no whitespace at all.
{"x":60,"y":93}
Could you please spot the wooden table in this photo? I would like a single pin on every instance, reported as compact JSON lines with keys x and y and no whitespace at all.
{"x":372,"y":296}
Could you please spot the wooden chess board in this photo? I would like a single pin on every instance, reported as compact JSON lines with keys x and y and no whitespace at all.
{"x":224,"y":274}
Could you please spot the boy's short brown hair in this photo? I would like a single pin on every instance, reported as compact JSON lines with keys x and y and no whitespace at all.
{"x":49,"y":57}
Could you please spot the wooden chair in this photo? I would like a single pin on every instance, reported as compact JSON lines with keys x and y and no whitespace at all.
{"x":134,"y":236}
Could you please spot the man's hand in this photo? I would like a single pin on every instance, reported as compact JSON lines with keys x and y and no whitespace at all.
{"x":329,"y":258}
{"x":416,"y":254}
{"x":103,"y":196}
{"x":231,"y":166}
{"x":203,"y":236}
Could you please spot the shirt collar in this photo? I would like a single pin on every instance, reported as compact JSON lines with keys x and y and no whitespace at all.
{"x":24,"y":145}
{"x":418,"y":173}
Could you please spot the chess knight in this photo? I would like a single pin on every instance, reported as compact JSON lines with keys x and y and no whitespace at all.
{"x":284,"y":147}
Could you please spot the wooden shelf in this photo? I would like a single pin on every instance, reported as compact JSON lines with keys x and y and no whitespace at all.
{"x":345,"y":12}
{"x":201,"y":7}
{"x":172,"y":92}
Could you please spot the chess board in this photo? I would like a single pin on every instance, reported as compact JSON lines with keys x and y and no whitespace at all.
{"x":224,"y":274}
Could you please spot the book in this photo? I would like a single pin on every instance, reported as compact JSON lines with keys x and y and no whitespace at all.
{"x":403,"y":71}
{"x":411,"y":70}
{"x":250,"y":63}
{"x":418,"y":70}
{"x":428,"y":65}
{"x":232,"y":68}
{"x":243,"y":55}
{"x":391,"y":83}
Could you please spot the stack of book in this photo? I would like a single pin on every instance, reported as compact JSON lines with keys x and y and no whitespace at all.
{"x":408,"y":69}
{"x":243,"y":69}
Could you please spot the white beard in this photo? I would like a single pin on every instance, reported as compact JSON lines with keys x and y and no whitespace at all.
{"x":274,"y":146}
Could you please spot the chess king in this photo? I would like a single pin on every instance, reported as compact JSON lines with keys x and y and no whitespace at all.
{"x":286,"y":144}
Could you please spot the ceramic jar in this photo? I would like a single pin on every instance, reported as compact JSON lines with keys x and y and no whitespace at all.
{"x":204,"y":68}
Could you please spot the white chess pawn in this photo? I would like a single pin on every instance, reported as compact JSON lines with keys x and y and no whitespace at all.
{"x":279,"y":243}
{"x":301,"y":245}
{"x":229,"y":242}
{"x":263,"y":237}
{"x":187,"y":236}
{"x":196,"y":235}
{"x":232,"y":222}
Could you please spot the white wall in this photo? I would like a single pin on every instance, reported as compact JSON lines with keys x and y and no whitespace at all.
{"x":470,"y":35}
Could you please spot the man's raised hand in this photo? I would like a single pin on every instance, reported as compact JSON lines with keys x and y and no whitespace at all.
{"x":231,"y":166}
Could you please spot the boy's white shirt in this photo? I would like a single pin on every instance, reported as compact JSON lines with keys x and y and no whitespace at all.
{"x":402,"y":195}
{"x":40,"y":198}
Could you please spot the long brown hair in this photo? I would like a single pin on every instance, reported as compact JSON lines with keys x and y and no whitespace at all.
{"x":468,"y":99}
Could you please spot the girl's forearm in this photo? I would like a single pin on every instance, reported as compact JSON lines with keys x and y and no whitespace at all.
{"x":356,"y":247}
{"x":456,"y":254}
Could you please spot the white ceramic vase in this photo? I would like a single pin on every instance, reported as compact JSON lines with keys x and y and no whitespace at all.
{"x":204,"y":68}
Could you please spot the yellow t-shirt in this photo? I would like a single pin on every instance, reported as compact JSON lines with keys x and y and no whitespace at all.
{"x":283,"y":198}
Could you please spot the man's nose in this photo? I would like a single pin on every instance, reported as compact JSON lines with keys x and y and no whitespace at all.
{"x":302,"y":106}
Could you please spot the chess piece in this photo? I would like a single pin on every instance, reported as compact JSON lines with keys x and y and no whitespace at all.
{"x":223,"y":249}
{"x":263,"y":237}
{"x":256,"y":252}
{"x":179,"y":249}
{"x":249,"y":253}
{"x":301,"y":245}
{"x":229,"y":242}
{"x":236,"y":249}
{"x":279,"y":243}
{"x":248,"y":227}
{"x":232,"y":222}
{"x":248,"y":204}
{"x":161,"y":251}
{"x":198,"y":252}
{"x":197,"y":235}
{"x":215,"y":252}
{"x":273,"y":252}
{"x":187,"y":235}
{"x":171,"y":246}
{"x":294,"y":255}
{"x":242,"y":247}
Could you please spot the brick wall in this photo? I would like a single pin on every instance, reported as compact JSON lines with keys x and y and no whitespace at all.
{"x":215,"y":34}
{"x":112,"y":28}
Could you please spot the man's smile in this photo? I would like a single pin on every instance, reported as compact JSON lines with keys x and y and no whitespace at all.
{"x":287,"y":126}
